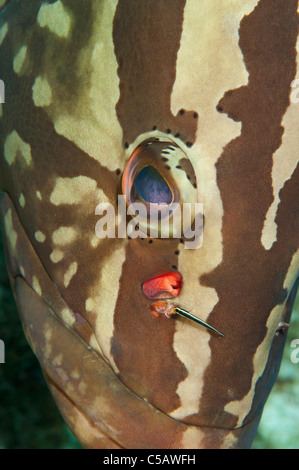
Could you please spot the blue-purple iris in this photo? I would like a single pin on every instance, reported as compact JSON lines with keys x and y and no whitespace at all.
{"x":152,"y":187}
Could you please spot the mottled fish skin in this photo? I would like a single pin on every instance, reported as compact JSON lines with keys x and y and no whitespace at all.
{"x":85,"y":83}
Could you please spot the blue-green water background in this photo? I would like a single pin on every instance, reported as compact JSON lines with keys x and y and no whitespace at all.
{"x":29,"y":418}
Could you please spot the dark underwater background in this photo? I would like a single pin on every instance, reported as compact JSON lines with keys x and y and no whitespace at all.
{"x":29,"y":418}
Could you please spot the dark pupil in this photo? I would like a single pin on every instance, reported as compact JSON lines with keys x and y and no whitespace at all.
{"x":152,"y":187}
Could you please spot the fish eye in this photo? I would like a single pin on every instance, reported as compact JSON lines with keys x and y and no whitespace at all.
{"x":159,"y":178}
{"x":151,"y":187}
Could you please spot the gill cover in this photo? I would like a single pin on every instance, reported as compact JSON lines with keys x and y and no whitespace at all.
{"x":198,"y":104}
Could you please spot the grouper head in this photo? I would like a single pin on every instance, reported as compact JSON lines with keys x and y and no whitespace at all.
{"x":112,"y":105}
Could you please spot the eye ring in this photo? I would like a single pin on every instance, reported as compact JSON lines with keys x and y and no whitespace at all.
{"x":159,"y":176}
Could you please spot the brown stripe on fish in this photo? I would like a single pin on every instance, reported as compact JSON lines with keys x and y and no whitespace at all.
{"x":142,"y":345}
{"x":249,"y":281}
{"x":147,"y":73}
{"x":283,"y":167}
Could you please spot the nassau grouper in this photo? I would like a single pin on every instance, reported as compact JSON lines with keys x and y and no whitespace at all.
{"x":150,"y":187}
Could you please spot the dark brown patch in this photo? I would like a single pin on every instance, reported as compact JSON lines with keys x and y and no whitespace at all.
{"x":249,"y":281}
{"x":142,"y":345}
{"x":147,"y":71}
